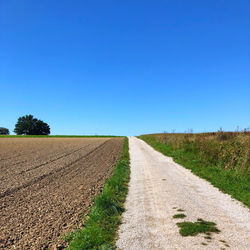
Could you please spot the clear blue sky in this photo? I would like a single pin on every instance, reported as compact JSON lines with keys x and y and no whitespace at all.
{"x":126,"y":67}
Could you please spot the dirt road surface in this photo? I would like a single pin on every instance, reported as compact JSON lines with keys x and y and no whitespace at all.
{"x":46,"y":184}
{"x":158,"y":187}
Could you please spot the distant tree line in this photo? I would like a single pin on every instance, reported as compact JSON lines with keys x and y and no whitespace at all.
{"x":28,"y":125}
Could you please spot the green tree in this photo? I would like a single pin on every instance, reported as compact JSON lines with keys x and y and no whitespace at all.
{"x":28,"y":125}
{"x":4,"y":131}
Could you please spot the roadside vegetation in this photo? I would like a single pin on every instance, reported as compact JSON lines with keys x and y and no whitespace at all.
{"x":222,"y":158}
{"x":100,"y":227}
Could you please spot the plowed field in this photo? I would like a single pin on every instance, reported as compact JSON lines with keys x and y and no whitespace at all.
{"x":46,"y":184}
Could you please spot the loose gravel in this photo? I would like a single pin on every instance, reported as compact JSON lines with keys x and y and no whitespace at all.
{"x":158,"y":188}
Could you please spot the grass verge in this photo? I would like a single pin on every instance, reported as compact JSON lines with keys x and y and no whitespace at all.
{"x":235,"y":183}
{"x":100,"y":229}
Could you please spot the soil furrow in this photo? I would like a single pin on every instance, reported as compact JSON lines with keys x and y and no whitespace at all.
{"x":35,"y":216}
{"x":10,"y":191}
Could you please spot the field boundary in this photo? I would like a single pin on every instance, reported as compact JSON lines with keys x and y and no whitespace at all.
{"x":58,"y":136}
{"x":101,"y":225}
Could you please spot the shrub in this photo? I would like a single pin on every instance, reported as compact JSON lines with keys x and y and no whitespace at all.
{"x":4,"y":131}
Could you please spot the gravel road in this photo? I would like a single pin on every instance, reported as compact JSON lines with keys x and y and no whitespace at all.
{"x":158,"y":187}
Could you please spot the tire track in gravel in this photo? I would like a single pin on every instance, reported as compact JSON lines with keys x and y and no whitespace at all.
{"x":157,"y":188}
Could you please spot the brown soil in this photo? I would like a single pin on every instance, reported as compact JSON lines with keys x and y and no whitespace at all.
{"x":47,"y":184}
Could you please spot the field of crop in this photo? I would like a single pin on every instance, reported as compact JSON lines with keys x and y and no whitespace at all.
{"x":46,"y":184}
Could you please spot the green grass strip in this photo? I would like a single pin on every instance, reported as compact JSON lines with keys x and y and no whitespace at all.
{"x":232,"y":182}
{"x":100,"y":229}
